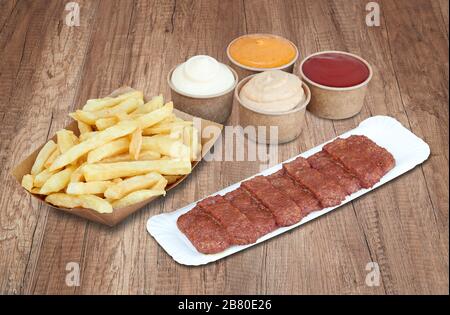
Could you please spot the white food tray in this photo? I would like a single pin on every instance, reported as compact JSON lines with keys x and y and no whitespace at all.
{"x":407,"y":149}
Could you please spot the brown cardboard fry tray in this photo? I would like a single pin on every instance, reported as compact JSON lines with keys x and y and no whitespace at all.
{"x":117,"y":215}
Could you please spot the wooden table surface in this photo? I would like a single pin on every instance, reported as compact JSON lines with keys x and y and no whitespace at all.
{"x":48,"y":69}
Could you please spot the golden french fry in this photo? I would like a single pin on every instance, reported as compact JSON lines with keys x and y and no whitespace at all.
{"x":43,"y":156}
{"x":148,"y":155}
{"x":123,"y":116}
{"x":126,"y":106}
{"x":171,"y":178}
{"x":176,"y":133}
{"x":77,"y":175}
{"x":52,"y":158}
{"x":95,"y":203}
{"x":154,"y":117}
{"x":86,"y":117}
{"x":87,"y":135}
{"x":106,"y":171}
{"x":83,"y":127}
{"x":117,"y":180}
{"x":57,"y":181}
{"x":86,"y":201}
{"x":161,"y":184}
{"x":104,"y":123}
{"x":195,"y":145}
{"x":27,"y":182}
{"x":137,"y":196}
{"x":130,"y":116}
{"x":131,"y":184}
{"x":135,"y":143}
{"x":99,"y":104}
{"x":143,"y":156}
{"x":164,"y":128}
{"x":42,"y":177}
{"x":36,"y":191}
{"x":63,"y":200}
{"x":65,"y":140}
{"x":112,"y":148}
{"x":90,"y":188}
{"x":117,"y":131}
{"x":155,"y":103}
{"x":163,"y":123}
{"x":169,"y":119}
{"x":166,"y":146}
{"x":75,"y":139}
{"x":186,"y":139}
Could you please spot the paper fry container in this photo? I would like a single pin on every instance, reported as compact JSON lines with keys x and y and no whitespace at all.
{"x":111,"y":219}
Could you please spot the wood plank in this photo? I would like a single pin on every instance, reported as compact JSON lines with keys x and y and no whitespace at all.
{"x":68,"y":47}
{"x":28,"y":97}
{"x":330,"y":267}
{"x":49,"y":69}
{"x":422,"y":75}
{"x":114,"y":259}
{"x":388,"y":248}
{"x":92,"y":73}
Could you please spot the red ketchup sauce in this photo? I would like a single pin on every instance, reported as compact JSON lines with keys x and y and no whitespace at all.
{"x":335,"y":70}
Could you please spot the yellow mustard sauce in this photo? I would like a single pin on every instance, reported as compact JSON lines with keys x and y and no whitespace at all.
{"x":262,"y":51}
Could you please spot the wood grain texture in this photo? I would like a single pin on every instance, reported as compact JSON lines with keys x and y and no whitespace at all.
{"x":48,"y":69}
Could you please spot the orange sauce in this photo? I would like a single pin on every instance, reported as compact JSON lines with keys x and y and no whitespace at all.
{"x":262,"y":51}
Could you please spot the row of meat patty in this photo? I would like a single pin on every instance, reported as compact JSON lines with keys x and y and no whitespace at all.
{"x":264,"y":203}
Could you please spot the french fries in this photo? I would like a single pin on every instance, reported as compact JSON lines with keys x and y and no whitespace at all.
{"x":90,"y":188}
{"x":95,"y":203}
{"x":154,"y":117}
{"x":103,"y":137}
{"x":108,"y":149}
{"x":43,"y":156}
{"x":143,"y":156}
{"x":172,"y":178}
{"x":86,"y":201}
{"x":65,"y":140}
{"x":63,"y":200}
{"x":42,"y":177}
{"x":77,"y":175}
{"x":127,"y":151}
{"x":57,"y":181}
{"x":52,"y":158}
{"x":165,"y":128}
{"x":27,"y":182}
{"x":137,"y":196}
{"x":83,"y":127}
{"x":136,"y":143}
{"x":106,"y":171}
{"x":131,"y":184}
{"x":104,"y":123}
{"x":166,"y":146}
{"x":99,"y":104}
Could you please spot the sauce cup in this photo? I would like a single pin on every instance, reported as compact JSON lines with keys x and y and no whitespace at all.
{"x":244,"y":71}
{"x":336,"y":102}
{"x":290,"y":123}
{"x":215,"y":107}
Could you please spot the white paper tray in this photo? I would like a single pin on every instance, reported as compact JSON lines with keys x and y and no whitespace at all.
{"x":407,"y":149}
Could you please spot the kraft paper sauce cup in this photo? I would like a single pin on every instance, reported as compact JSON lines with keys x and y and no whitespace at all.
{"x":290,"y":123}
{"x":216,"y":107}
{"x":336,"y":102}
{"x":245,"y":71}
